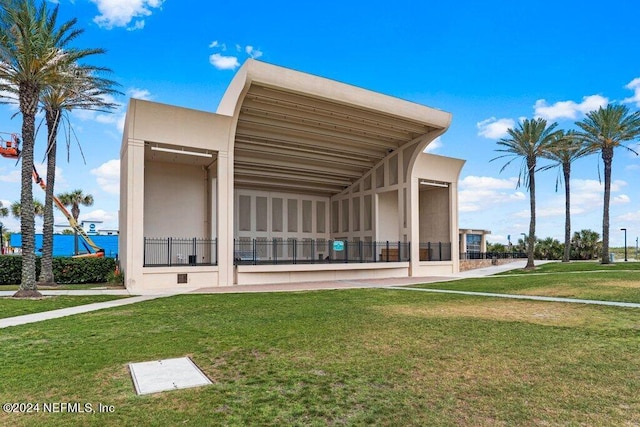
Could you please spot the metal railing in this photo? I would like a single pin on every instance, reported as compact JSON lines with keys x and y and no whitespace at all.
{"x":248,"y":251}
{"x":171,"y":251}
{"x":435,"y":251}
{"x":492,"y":255}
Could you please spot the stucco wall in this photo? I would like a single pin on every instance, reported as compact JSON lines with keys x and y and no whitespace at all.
{"x":175,"y":201}
{"x":435,"y":216}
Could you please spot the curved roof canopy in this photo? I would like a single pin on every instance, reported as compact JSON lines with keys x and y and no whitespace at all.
{"x":303,"y":133}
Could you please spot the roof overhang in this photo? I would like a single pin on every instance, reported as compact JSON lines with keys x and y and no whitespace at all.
{"x":302,"y":133}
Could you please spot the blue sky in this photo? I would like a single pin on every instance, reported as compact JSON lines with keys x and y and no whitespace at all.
{"x":489,"y":63}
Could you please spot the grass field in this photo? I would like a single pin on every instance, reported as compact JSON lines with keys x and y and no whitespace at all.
{"x":349,"y":357}
{"x":10,"y":307}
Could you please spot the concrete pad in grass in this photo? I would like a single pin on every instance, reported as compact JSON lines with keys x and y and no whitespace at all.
{"x":168,"y":374}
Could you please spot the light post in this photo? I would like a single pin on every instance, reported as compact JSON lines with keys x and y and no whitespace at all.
{"x":636,"y":248}
{"x":1,"y":240}
{"x":625,"y":243}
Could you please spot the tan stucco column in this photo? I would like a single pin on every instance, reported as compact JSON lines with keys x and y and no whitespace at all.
{"x":225,"y":218}
{"x":453,"y":209}
{"x":413,"y":220}
{"x":134,"y":243}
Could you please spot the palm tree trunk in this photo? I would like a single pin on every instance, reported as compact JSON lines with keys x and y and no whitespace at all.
{"x":28,"y":106}
{"x":566,"y":169}
{"x":532,"y":223}
{"x":46,"y":272}
{"x":607,"y":158}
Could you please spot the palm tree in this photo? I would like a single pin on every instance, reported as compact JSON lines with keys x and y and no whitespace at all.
{"x":33,"y":54}
{"x":84,"y":90}
{"x":3,"y":211}
{"x":604,"y":130}
{"x":529,"y":141}
{"x":586,"y":244}
{"x":563,"y":151}
{"x":75,"y":199}
{"x":16,"y":209}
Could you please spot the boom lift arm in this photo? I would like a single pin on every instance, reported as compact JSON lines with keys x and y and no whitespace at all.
{"x":10,"y":148}
{"x":98,"y":251}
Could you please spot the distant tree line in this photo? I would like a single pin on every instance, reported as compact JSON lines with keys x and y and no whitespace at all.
{"x":584,"y":245}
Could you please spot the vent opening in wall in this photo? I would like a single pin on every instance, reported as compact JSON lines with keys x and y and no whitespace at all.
{"x":182,"y":278}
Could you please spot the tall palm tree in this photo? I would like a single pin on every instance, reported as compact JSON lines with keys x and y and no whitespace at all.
{"x":3,"y":211}
{"x":75,"y":199}
{"x":33,"y":54}
{"x":605,"y":130}
{"x":83,"y":90}
{"x":528,"y":142}
{"x":566,"y":148}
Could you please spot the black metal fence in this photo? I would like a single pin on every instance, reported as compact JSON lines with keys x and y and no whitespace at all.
{"x":248,"y":251}
{"x":492,"y":255}
{"x":435,"y":251}
{"x":171,"y":251}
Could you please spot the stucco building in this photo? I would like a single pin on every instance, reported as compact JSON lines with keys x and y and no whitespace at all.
{"x":294,"y":178}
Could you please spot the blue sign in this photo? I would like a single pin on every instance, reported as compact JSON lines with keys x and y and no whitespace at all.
{"x":338,"y":245}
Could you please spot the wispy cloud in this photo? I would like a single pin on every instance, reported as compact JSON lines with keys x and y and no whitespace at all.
{"x":124,"y":13}
{"x":231,"y":62}
{"x":568,"y":109}
{"x":493,"y":128}
{"x":253,"y":52}
{"x":633,"y":85}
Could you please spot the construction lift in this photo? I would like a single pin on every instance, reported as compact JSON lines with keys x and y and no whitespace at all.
{"x":10,"y":148}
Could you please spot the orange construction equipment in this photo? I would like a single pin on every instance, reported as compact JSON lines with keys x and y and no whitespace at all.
{"x":88,"y":243}
{"x":10,"y":148}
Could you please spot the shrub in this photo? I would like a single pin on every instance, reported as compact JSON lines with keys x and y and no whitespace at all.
{"x":65,"y":270}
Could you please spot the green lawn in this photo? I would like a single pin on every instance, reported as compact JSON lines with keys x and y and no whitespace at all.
{"x":349,"y":357}
{"x":576,"y":266}
{"x":10,"y":307}
{"x":584,"y":280}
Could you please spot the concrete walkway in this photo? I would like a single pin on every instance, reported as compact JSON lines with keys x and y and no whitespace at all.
{"x":70,"y":311}
{"x":523,"y":297}
{"x":391,"y":283}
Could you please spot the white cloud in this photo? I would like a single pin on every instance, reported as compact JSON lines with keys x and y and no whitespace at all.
{"x":216,"y":43}
{"x":634,"y":85}
{"x":109,"y":220}
{"x":222,"y":62}
{"x":120,"y":13}
{"x":252,"y":52}
{"x":434,"y":145}
{"x":568,"y":109}
{"x":620,"y":200}
{"x":13,"y":175}
{"x":632,"y":167}
{"x":493,"y":128}
{"x":108,"y":176}
{"x":477,"y":193}
{"x":630,"y":217}
{"x":483,"y":182}
{"x":230,"y":62}
{"x":139,"y":94}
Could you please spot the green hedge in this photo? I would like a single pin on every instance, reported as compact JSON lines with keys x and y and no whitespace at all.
{"x":65,"y":270}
